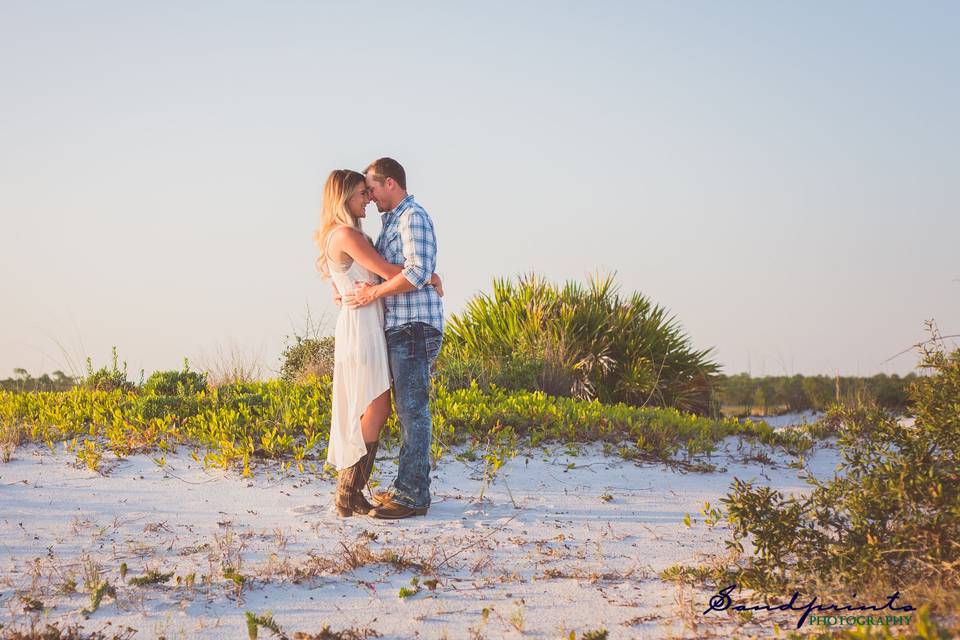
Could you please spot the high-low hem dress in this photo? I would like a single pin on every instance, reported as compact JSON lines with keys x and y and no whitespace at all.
{"x":361,"y":370}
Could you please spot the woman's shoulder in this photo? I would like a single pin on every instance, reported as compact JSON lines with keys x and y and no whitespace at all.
{"x":343,"y":233}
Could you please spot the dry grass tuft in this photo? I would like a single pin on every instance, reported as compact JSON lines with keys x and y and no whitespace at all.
{"x":351,"y":557}
{"x":326,"y":633}
{"x":71,"y":632}
{"x":12,"y":435}
{"x":231,"y":365}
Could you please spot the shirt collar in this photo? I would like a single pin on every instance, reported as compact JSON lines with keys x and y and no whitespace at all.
{"x":400,"y":206}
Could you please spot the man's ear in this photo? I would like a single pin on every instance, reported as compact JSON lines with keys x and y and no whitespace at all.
{"x":388,"y":181}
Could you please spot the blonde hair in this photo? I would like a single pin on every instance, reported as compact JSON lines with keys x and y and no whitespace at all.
{"x":340,"y":185}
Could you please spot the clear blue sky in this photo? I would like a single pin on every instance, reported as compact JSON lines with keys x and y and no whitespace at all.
{"x":783,"y":176}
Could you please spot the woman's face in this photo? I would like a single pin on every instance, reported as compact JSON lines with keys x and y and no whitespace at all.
{"x":358,"y":201}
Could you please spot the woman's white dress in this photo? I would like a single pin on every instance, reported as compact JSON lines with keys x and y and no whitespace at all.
{"x":361,"y":371}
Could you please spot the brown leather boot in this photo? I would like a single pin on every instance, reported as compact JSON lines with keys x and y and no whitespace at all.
{"x":391,"y":510}
{"x":349,"y":499}
{"x":382,"y":497}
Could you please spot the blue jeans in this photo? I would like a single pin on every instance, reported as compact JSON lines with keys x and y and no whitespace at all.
{"x":412,"y":349}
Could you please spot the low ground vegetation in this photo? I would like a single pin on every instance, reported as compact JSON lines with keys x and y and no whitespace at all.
{"x":233,"y":426}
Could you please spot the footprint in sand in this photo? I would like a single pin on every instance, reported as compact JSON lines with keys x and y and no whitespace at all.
{"x":307,"y":508}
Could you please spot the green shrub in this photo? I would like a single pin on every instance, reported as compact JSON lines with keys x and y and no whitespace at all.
{"x":104,"y":379}
{"x":892,"y":517}
{"x":306,"y":357}
{"x":151,"y":406}
{"x":175,"y":383}
{"x":582,"y":342}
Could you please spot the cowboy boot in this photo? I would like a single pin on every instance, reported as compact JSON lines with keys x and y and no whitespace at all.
{"x":382,"y":497}
{"x":391,"y":510}
{"x":378,"y":497}
{"x":349,"y":498}
{"x":367,"y":468}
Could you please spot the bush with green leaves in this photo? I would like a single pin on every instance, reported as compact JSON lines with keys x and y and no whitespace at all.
{"x":104,"y":379}
{"x":307,"y":357}
{"x":586,"y":342}
{"x":175,"y":383}
{"x":890,"y":515}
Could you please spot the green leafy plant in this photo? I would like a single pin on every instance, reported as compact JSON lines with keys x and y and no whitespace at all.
{"x":414,"y":590}
{"x":104,"y":379}
{"x":176,"y":383}
{"x":238,"y":579}
{"x":254,"y":622}
{"x":889,"y":521}
{"x":307,"y":357}
{"x":96,"y":597}
{"x":585,"y":342}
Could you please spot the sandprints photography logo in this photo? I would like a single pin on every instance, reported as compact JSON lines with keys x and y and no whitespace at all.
{"x":723,"y":602}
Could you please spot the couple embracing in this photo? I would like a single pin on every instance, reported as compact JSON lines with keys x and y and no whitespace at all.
{"x":389,"y":330}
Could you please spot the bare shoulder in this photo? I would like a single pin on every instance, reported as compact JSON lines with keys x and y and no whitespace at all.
{"x":344,"y":236}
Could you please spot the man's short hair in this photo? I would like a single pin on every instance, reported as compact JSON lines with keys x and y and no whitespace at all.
{"x":384,"y":168}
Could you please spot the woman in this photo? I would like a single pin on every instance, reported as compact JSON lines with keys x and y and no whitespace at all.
{"x":361,"y":372}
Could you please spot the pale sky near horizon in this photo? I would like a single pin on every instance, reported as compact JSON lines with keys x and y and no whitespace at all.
{"x":781,"y":176}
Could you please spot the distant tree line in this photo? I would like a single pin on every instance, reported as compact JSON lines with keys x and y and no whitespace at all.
{"x":23,"y":381}
{"x":743,"y":394}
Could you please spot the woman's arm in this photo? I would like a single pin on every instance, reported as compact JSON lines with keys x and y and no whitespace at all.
{"x":355,"y":244}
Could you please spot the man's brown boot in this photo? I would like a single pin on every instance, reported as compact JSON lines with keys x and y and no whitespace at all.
{"x":391,"y":510}
{"x":382,"y":497}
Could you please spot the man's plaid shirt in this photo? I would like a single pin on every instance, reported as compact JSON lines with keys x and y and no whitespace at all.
{"x":407,"y":238}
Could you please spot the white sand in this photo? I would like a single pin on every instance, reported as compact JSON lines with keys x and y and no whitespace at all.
{"x":552,"y":559}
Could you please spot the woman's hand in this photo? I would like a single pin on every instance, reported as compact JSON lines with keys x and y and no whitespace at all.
{"x":363,"y":294}
{"x":437,"y":284}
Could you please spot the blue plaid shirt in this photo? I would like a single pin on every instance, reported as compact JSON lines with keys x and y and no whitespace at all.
{"x":407,"y":238}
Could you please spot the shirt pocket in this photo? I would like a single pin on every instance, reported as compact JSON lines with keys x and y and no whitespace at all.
{"x":393,"y":248}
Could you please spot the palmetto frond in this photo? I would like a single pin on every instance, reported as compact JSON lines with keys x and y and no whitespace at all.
{"x":589,"y":340}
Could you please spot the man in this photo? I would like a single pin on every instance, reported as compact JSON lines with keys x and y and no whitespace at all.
{"x":413,"y":321}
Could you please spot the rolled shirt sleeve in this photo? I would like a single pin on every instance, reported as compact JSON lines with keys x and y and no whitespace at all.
{"x":419,"y":246}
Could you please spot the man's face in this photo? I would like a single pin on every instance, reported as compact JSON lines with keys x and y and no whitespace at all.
{"x":378,"y":193}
